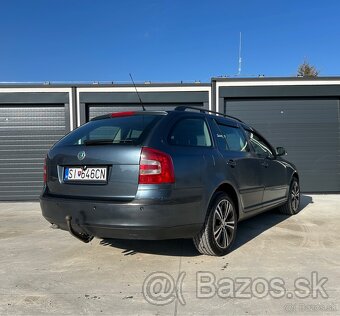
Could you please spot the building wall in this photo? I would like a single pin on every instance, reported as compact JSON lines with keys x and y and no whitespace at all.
{"x":33,"y":118}
{"x":298,"y":114}
{"x":117,"y":98}
{"x":31,"y":121}
{"x":301,"y":115}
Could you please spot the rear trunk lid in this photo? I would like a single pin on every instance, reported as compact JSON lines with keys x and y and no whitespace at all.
{"x":120,"y":161}
{"x":111,"y":147}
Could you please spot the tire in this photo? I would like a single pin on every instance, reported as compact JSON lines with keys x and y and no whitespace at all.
{"x":291,"y":207}
{"x":219,"y":231}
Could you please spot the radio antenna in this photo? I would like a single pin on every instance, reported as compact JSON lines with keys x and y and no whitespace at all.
{"x":240,"y":56}
{"x":140,"y":100}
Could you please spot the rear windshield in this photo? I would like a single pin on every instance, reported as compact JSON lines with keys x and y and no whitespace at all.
{"x":119,"y":130}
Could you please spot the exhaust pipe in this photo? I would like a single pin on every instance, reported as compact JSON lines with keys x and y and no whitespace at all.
{"x":84,"y":237}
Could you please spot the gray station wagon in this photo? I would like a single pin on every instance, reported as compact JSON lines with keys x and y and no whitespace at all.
{"x":186,"y":173}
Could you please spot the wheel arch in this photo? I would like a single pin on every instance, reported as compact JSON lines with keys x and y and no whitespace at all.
{"x":294,"y":175}
{"x":231,"y":191}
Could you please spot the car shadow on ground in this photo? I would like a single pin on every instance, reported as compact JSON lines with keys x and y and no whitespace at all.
{"x":247,"y":230}
{"x":254,"y":226}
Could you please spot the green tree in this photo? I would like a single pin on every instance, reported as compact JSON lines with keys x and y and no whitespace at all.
{"x":307,"y":70}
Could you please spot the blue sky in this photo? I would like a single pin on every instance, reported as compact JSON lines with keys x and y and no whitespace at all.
{"x":165,"y":41}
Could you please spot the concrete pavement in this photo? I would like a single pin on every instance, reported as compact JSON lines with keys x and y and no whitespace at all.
{"x":46,"y":271}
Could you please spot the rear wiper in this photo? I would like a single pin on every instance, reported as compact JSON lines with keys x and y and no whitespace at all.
{"x":90,"y":142}
{"x":124,"y":141}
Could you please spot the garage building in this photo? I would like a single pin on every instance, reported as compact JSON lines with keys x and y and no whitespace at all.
{"x":299,"y":114}
{"x":34,"y":117}
{"x":31,"y":121}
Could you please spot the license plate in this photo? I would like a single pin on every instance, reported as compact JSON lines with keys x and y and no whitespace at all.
{"x":98,"y":174}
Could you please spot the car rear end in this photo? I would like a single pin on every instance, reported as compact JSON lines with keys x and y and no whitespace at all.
{"x":109,"y":179}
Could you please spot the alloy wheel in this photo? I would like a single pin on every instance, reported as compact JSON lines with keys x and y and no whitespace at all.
{"x":223,"y":223}
{"x":295,"y":196}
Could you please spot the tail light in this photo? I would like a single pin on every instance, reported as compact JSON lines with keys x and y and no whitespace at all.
{"x":45,"y":171}
{"x":155,"y":167}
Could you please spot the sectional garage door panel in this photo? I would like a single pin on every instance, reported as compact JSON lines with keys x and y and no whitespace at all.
{"x":94,"y":110}
{"x":26,"y":134}
{"x":308,"y":129}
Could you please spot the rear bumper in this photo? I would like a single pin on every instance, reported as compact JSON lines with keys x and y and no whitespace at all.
{"x":126,"y":220}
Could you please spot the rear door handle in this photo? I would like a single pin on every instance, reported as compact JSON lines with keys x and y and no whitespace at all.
{"x":231,"y":163}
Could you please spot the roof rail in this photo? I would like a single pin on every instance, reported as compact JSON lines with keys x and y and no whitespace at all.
{"x":183,"y":108}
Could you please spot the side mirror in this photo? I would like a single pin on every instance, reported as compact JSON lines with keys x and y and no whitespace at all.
{"x":280,"y":151}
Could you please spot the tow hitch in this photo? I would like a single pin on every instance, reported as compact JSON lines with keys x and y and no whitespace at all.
{"x":84,"y":237}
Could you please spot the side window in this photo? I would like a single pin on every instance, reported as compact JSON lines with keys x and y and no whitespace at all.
{"x":190,"y":132}
{"x":260,"y":146}
{"x":235,"y":139}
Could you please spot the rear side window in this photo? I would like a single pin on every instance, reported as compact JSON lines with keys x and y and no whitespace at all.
{"x":118,"y":130}
{"x":190,"y":132}
{"x":234,"y":138}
